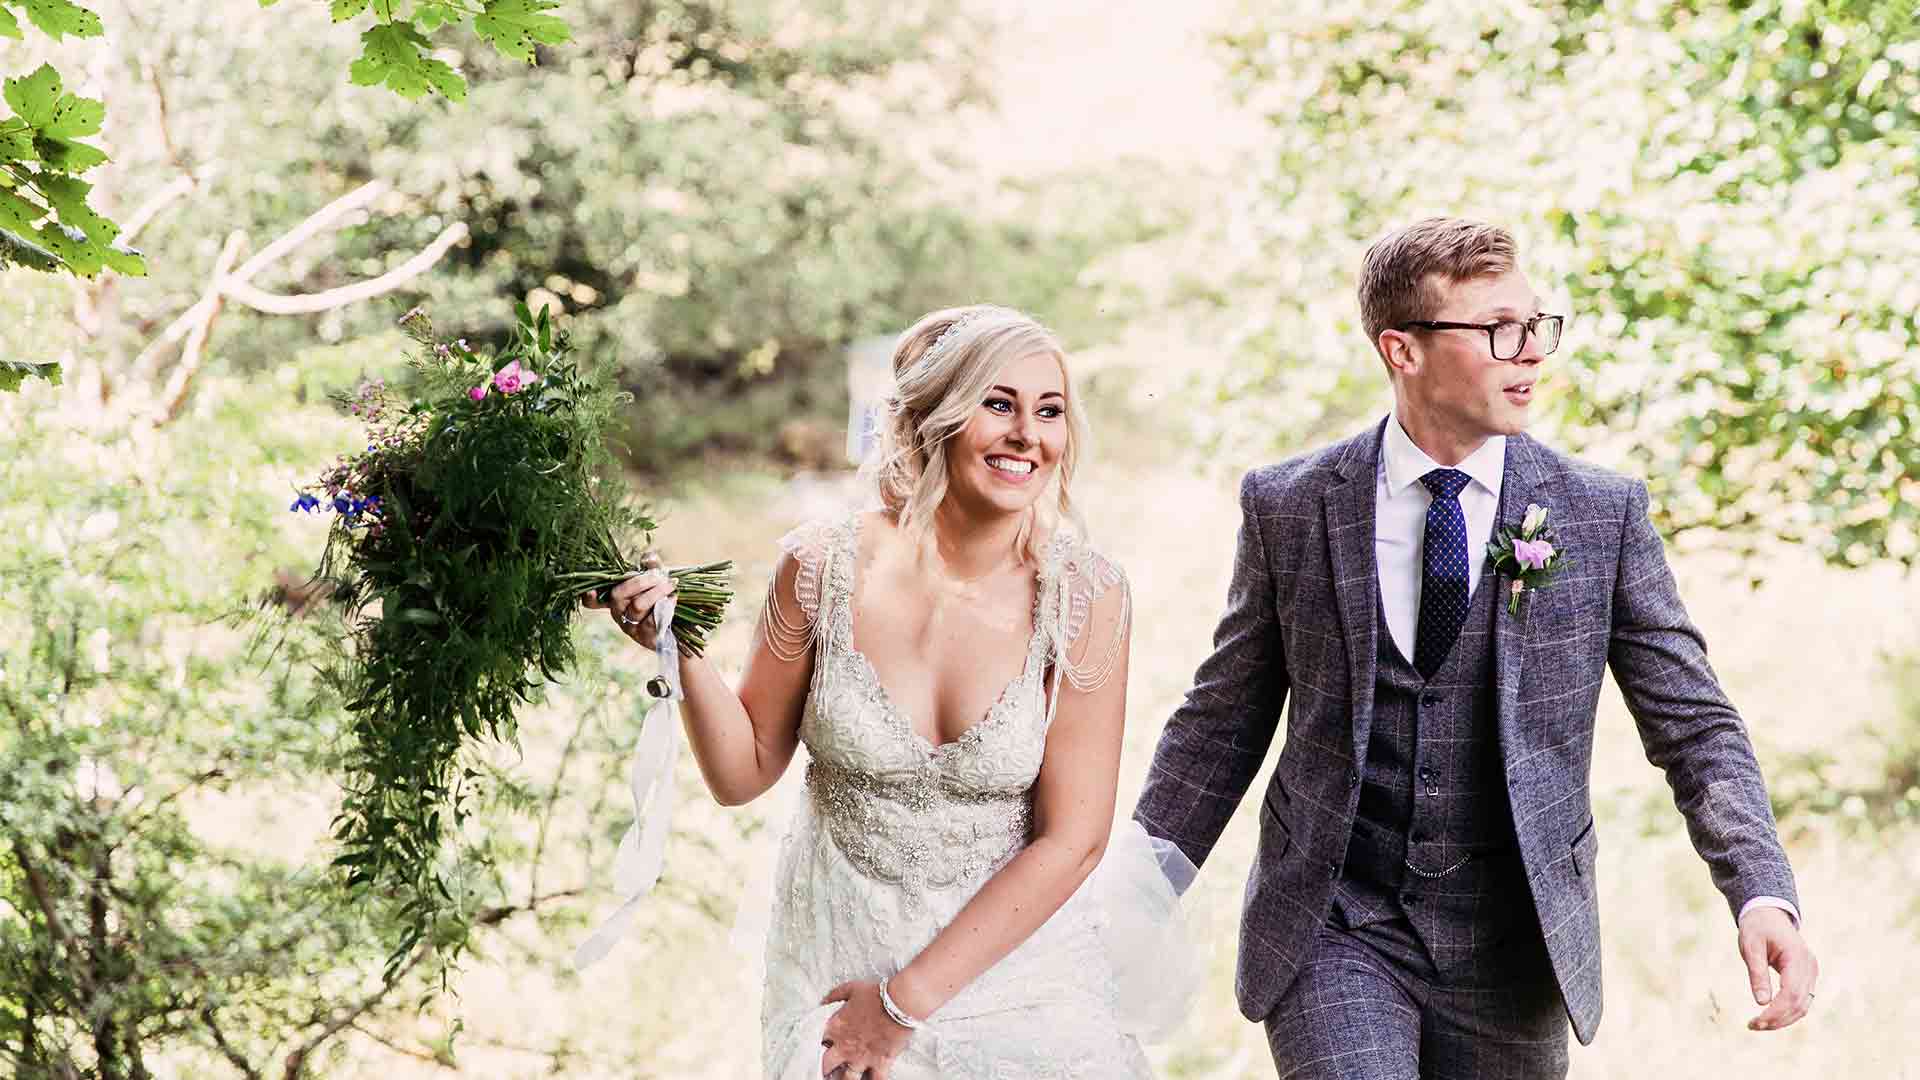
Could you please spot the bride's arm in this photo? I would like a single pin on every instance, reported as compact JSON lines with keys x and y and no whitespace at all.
{"x":1073,"y":801}
{"x":742,"y":741}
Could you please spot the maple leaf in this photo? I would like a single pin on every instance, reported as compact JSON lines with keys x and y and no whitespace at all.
{"x":396,"y":54}
{"x":516,"y":26}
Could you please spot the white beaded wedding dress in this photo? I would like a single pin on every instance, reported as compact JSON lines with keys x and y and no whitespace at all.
{"x":894,"y":835}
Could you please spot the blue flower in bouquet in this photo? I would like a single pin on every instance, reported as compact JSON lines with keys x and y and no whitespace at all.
{"x":307,"y":502}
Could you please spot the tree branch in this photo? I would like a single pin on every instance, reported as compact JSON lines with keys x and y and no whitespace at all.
{"x":240,"y":289}
{"x":150,"y":209}
{"x":37,"y":884}
{"x":322,"y":218}
{"x":398,"y":1049}
{"x":175,"y":393}
{"x":147,"y":363}
{"x":296,"y":1062}
{"x":107,"y":1046}
{"x":553,"y":798}
{"x":494,"y":916}
{"x":146,"y":814}
{"x":229,"y":282}
{"x":227,"y":1050}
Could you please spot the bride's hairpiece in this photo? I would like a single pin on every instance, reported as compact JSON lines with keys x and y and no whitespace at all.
{"x":951,"y":335}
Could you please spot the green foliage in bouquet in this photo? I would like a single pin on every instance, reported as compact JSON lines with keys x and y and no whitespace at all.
{"x":479,"y":513}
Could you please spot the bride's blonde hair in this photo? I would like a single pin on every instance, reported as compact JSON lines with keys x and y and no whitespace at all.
{"x":943,"y":367}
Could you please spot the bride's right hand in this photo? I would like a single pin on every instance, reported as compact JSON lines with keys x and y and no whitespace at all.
{"x":632,"y":602}
{"x":860,"y":1039}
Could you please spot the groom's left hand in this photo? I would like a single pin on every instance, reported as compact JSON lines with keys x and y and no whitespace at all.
{"x":1770,"y":940}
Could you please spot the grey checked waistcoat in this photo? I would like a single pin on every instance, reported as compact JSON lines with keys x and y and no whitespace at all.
{"x":1432,"y":791}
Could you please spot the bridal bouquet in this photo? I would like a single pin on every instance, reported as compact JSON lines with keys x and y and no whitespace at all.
{"x":465,"y":532}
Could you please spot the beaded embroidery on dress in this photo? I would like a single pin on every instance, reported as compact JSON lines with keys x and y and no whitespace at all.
{"x":895,"y":835}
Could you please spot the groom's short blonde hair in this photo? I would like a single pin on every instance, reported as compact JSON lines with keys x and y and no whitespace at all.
{"x":1397,"y":275}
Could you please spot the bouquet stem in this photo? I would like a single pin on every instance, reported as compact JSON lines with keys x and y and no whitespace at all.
{"x":701,"y":594}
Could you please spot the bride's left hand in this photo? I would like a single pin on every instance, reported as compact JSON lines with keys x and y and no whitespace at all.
{"x":860,"y":1036}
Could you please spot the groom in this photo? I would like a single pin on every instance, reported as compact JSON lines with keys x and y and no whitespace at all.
{"x":1423,"y":901}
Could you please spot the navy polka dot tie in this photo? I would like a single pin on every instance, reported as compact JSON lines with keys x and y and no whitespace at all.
{"x":1443,"y":571}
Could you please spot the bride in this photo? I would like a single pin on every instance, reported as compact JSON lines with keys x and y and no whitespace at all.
{"x":955,"y":663}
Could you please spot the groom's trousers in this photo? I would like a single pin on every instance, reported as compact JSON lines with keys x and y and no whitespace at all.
{"x":1444,"y":979}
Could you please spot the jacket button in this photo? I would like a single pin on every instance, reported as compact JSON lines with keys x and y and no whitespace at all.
{"x":1429,"y":699}
{"x":1353,"y":778}
{"x":1333,"y":869}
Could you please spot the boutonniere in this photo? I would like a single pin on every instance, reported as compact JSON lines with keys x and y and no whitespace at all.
{"x":1529,"y":554}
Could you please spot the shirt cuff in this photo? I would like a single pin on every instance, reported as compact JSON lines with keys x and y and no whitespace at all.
{"x":1772,"y":902}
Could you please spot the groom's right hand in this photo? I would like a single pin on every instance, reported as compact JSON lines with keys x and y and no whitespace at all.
{"x":1770,"y":940}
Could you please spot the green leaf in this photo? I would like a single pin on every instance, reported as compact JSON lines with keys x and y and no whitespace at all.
{"x":15,"y":372}
{"x":17,"y":213}
{"x":431,"y":15}
{"x":69,"y":157}
{"x":55,"y":122}
{"x":16,"y":144}
{"x":9,"y":26}
{"x":58,"y":18}
{"x":75,"y":117}
{"x":395,"y":54}
{"x":16,"y":250}
{"x":68,"y":197}
{"x":125,"y":261}
{"x":35,"y":96}
{"x":82,"y":256}
{"x":347,"y":9}
{"x":516,"y":26}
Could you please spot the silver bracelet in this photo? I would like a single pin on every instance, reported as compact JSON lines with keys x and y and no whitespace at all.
{"x":894,"y":1012}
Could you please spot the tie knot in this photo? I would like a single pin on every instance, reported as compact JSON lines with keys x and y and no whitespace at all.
{"x":1446,"y":483}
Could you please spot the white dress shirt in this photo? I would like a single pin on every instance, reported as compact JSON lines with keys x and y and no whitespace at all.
{"x":1400,"y":532}
{"x":1400,"y":522}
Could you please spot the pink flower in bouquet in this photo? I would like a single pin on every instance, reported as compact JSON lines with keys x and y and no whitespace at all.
{"x":478,"y":392}
{"x":513,"y":378}
{"x":1533,"y":554}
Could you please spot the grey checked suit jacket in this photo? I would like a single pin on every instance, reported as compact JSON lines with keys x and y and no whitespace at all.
{"x":1300,"y":622}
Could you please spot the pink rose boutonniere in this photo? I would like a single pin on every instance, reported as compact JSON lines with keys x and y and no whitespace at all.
{"x":1528,"y":553}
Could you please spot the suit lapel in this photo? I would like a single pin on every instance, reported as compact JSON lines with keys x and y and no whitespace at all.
{"x":1348,"y":504}
{"x":1522,"y":481}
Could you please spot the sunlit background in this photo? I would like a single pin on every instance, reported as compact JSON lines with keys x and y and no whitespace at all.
{"x":726,"y":201}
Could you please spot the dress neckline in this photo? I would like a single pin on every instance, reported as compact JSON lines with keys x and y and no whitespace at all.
{"x":999,"y":706}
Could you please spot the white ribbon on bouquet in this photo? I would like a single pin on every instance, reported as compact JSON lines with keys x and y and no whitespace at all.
{"x":643,"y":850}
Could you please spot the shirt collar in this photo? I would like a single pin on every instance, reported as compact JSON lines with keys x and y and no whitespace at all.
{"x":1406,"y":463}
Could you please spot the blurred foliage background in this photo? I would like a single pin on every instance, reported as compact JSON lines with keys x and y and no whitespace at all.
{"x":719,"y":197}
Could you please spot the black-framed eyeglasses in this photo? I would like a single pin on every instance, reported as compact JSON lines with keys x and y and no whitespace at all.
{"x":1507,"y":337}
